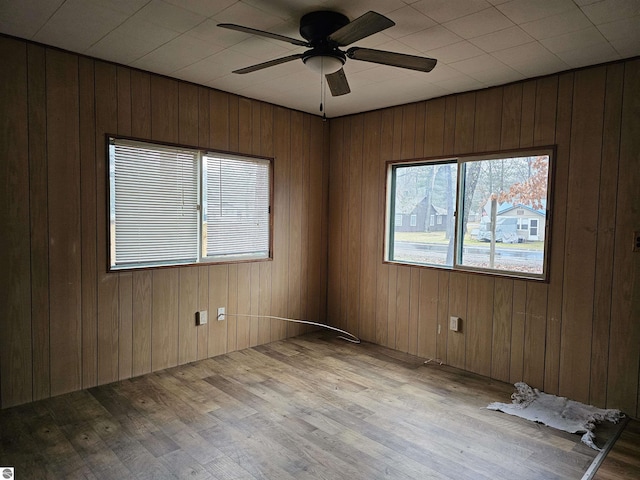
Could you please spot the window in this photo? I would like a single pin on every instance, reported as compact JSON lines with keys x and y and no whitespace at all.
{"x":398,"y":219}
{"x":413,"y":220}
{"x":479,"y":200}
{"x":432,"y":220}
{"x":174,"y":205}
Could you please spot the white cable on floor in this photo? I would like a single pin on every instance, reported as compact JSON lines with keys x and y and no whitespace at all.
{"x":353,"y":338}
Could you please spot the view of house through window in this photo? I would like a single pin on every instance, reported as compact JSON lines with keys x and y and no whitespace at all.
{"x":485,"y":213}
{"x":174,"y":205}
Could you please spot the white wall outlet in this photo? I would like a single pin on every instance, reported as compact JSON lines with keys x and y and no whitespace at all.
{"x":201,"y":317}
{"x":454,"y":324}
{"x":221,"y":314}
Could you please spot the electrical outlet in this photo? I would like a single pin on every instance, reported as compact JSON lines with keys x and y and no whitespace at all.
{"x":636,"y":241}
{"x":201,"y":318}
{"x":221,"y":314}
{"x":454,"y":324}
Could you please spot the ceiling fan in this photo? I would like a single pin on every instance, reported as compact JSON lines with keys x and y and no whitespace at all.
{"x":325,"y":32}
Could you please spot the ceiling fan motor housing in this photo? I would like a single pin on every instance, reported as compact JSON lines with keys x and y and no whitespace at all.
{"x":315,"y":27}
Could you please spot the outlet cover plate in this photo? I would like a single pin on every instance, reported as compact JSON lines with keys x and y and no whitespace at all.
{"x":201,"y":318}
{"x":454,"y":324}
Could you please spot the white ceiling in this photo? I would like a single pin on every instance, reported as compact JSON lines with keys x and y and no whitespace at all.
{"x":478,"y":43}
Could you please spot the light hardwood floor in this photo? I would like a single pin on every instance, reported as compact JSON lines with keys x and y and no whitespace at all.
{"x":303,"y":408}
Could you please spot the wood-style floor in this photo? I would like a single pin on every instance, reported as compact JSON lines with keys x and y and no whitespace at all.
{"x":623,"y":461}
{"x":310,"y":407}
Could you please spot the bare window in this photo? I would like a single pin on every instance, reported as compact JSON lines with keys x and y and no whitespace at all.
{"x":494,"y":211}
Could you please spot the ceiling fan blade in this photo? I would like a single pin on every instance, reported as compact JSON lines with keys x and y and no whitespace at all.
{"x":401,"y":60}
{"x":270,"y":63}
{"x":361,"y":27}
{"x":338,"y":83}
{"x":262,"y":33}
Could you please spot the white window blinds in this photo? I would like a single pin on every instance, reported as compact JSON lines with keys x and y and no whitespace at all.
{"x":178,"y":205}
{"x":154,"y":204}
{"x":237,"y":206}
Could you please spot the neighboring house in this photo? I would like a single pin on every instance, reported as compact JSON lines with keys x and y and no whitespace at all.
{"x":531,"y":222}
{"x":422,"y":219}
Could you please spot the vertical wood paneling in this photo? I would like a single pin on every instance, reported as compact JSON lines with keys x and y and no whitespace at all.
{"x":218,"y":297}
{"x":142,"y":306}
{"x":335,"y":215}
{"x":382,"y":270}
{"x":125,"y":279}
{"x":202,"y":341}
{"x":371,"y":251}
{"x":256,"y":149}
{"x":404,"y":286}
{"x":354,"y":199}
{"x":580,"y":246}
{"x":511,"y":116}
{"x":465,"y":123}
{"x":345,"y":182}
{"x":414,"y":311}
{"x":428,"y":314}
{"x":534,"y":334}
{"x":295,"y":221}
{"x":188,"y":305}
{"x":488,"y":121}
{"x":443,"y":316}
{"x":140,"y":104}
{"x":232,"y":308}
{"x":401,"y":297}
{"x":501,"y":331}
{"x":125,"y":325}
{"x":315,"y":257}
{"x":516,"y":367}
{"x":86,"y":78}
{"x":479,"y":324}
{"x":622,"y":383}
{"x":528,"y":113}
{"x":243,"y":293}
{"x":243,"y":324}
{"x":164,"y":327}
{"x":605,"y":236}
{"x":38,"y":209}
{"x":15,"y":284}
{"x":266,"y":148}
{"x":142,"y":311}
{"x":558,"y":229}
{"x":106,"y":122}
{"x":65,"y":276}
{"x":279,"y":269}
{"x":254,"y":302}
{"x":457,"y":308}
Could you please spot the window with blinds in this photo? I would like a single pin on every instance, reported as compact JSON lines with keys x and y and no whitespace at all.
{"x":175,"y":206}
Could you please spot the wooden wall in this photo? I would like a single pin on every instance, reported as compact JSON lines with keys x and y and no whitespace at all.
{"x":67,"y":324}
{"x":577,"y":336}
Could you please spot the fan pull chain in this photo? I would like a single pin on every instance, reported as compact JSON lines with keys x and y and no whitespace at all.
{"x":322,"y":85}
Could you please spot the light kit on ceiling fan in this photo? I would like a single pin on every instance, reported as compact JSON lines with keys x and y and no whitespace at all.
{"x":324,"y":64}
{"x":326,"y":31}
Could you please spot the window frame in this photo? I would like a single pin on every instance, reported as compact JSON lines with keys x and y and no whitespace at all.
{"x":459,"y":161}
{"x":201,"y":259}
